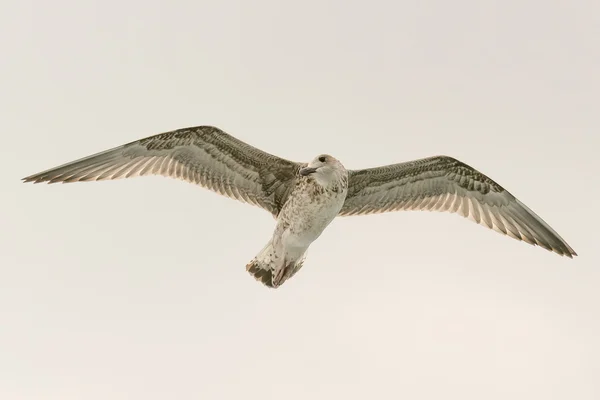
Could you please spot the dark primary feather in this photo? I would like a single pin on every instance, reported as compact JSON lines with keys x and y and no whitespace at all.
{"x":203,"y":155}
{"x":446,"y":184}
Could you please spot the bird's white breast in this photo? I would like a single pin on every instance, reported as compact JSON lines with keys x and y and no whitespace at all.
{"x":308,"y":211}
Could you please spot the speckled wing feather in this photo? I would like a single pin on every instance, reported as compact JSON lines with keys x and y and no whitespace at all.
{"x":203,"y":155}
{"x":446,"y":184}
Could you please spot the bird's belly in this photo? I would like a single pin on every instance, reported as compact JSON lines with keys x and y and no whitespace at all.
{"x":308,"y":220}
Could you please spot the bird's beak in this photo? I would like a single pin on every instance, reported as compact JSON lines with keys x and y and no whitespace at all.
{"x":307,"y":171}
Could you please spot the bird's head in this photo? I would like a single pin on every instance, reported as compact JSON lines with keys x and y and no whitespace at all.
{"x":325,"y":169}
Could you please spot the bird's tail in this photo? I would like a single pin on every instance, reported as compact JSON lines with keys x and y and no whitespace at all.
{"x":270,"y":268}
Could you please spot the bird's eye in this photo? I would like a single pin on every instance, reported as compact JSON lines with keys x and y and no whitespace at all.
{"x":322,"y":159}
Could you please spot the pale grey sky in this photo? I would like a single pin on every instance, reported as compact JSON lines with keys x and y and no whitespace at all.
{"x":137,"y":289}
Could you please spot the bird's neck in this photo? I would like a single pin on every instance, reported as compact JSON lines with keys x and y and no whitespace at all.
{"x":336,"y":183}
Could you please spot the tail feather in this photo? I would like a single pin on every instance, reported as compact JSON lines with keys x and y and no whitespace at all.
{"x":263,"y":265}
{"x":261,"y":273}
{"x":272,"y":270}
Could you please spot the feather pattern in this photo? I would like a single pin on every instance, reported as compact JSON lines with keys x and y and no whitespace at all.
{"x":445,"y":184}
{"x":203,"y":155}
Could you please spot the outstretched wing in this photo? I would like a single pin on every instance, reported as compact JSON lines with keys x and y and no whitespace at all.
{"x":203,"y":155}
{"x":446,"y":184}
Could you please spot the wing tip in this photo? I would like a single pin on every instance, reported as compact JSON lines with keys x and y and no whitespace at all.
{"x":562,"y":248}
{"x":571,"y":253}
{"x":31,"y":179}
{"x":38,"y":179}
{"x":564,"y":251}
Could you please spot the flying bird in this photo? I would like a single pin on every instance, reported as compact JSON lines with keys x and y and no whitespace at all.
{"x":305,"y":197}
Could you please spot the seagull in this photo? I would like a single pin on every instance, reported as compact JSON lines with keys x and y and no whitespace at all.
{"x":305,"y":197}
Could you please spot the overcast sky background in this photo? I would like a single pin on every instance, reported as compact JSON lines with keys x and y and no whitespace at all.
{"x":137,"y":289}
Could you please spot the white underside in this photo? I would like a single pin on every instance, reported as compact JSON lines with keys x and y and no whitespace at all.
{"x":306,"y":224}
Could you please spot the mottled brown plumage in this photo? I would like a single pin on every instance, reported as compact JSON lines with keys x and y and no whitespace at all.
{"x":305,"y":198}
{"x":313,"y":203}
{"x":445,"y":184}
{"x":203,"y":155}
